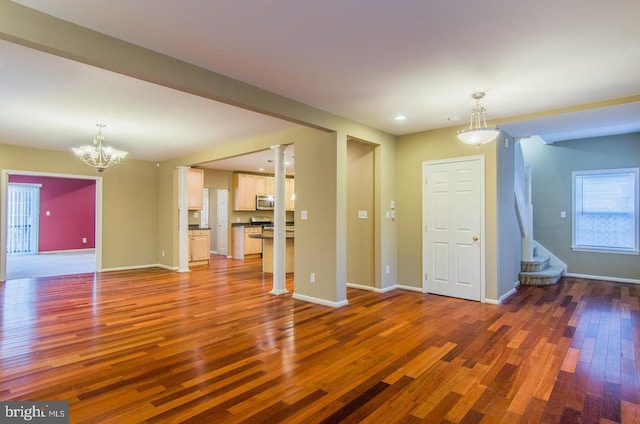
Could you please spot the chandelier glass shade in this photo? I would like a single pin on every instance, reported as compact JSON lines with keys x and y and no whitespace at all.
{"x":98,"y":156}
{"x":478,"y":133}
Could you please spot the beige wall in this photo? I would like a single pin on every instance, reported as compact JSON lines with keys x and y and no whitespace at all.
{"x":412,"y":150}
{"x":360,"y":197}
{"x":509,"y":244}
{"x":129,"y":200}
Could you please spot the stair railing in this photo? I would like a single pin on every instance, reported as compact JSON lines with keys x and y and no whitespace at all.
{"x":524,"y":207}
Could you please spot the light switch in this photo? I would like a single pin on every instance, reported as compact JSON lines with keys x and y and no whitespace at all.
{"x":362,"y":214}
{"x":48,"y":213}
{"x":563,"y":214}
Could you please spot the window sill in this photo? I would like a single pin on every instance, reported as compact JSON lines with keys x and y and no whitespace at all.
{"x":605,"y":250}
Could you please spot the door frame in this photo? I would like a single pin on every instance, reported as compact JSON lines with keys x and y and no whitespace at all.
{"x":3,"y":212}
{"x":425,"y":264}
{"x":226,"y":227}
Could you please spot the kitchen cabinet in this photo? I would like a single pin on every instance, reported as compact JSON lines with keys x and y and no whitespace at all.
{"x":245,"y":246}
{"x":247,"y":186}
{"x":252,"y":246}
{"x":196,"y":187}
{"x":269,"y":185}
{"x":244,"y":192}
{"x":290,"y":203}
{"x":264,"y":185}
{"x":199,"y":241}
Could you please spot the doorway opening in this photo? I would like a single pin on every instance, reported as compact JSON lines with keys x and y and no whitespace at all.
{"x":52,"y":225}
{"x":360,"y":214}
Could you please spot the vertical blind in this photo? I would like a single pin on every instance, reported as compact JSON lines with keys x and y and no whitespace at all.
{"x":22,"y":218}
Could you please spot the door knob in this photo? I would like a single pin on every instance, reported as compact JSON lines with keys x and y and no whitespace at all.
{"x":475,"y":238}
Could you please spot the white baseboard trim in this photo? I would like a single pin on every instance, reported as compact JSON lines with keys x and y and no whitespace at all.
{"x":360,"y":287}
{"x":53,"y":252}
{"x":600,"y":277}
{"x":508,"y":294}
{"x":322,"y":302}
{"x":129,"y":268}
{"x":491,"y":301}
{"x":369,"y":288}
{"x":410,"y":288}
{"x":386,"y":289}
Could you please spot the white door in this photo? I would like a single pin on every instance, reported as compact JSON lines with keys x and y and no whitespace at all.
{"x":453,"y":217}
{"x":223,"y":221}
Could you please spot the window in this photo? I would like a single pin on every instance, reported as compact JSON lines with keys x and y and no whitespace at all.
{"x":605,"y":210}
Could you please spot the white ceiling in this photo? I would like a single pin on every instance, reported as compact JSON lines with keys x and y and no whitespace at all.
{"x":361,"y":59}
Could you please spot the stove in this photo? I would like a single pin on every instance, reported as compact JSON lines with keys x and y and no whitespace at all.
{"x":260,"y":220}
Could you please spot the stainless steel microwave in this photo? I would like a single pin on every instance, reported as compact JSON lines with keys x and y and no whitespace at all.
{"x":264,"y":202}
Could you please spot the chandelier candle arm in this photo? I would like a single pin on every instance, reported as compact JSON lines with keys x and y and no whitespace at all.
{"x":98,"y":156}
{"x":478,"y":133}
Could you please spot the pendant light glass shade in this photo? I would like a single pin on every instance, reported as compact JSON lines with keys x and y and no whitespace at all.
{"x":478,"y":133}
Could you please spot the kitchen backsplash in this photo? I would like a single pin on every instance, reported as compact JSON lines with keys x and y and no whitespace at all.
{"x":240,"y":216}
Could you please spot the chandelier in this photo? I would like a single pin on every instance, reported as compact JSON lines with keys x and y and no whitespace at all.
{"x":98,"y":156}
{"x":478,"y":133}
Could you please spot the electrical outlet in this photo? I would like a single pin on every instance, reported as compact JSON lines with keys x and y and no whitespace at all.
{"x":313,"y":277}
{"x":84,"y":240}
{"x":163,"y":253}
{"x":387,"y":270}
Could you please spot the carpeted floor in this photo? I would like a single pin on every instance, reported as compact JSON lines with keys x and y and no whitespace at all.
{"x":50,"y":264}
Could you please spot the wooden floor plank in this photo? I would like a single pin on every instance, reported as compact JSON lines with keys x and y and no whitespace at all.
{"x":213,"y":345}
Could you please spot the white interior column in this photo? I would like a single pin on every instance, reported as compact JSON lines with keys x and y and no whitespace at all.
{"x":279,"y":224}
{"x":183,"y":219}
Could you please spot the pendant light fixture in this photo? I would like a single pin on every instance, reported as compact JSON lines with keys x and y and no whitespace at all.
{"x":99,"y":156}
{"x":478,"y":133}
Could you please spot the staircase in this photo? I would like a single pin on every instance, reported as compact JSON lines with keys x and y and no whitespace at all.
{"x":535,"y":269}
{"x":537,"y":272}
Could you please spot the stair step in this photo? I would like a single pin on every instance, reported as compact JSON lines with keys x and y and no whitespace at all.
{"x":538,"y":263}
{"x":546,"y":277}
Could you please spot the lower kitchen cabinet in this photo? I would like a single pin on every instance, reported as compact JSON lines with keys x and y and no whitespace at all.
{"x":199,"y":247}
{"x":245,"y":246}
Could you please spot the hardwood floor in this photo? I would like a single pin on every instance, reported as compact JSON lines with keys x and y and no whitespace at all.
{"x":213,"y":346}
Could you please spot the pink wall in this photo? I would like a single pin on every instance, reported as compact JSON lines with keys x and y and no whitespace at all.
{"x":71,"y":205}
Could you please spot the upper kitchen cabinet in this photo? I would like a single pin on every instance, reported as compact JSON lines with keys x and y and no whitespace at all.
{"x":196,"y":187}
{"x":264,"y":185}
{"x":247,"y":186}
{"x":244,"y":192}
{"x":291,"y":194}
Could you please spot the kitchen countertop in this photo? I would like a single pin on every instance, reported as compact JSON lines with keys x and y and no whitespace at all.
{"x":257,"y":224}
{"x":270,"y":236}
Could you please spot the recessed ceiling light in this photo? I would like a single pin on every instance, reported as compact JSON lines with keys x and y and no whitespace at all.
{"x":260,"y":169}
{"x":400,"y":117}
